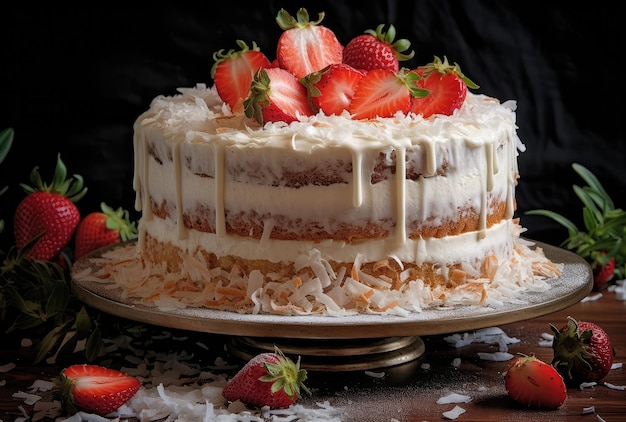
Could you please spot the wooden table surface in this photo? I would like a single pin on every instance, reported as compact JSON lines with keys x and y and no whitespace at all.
{"x":409,"y":391}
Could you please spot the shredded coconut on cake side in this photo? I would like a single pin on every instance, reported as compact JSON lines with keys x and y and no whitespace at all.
{"x":324,"y":293}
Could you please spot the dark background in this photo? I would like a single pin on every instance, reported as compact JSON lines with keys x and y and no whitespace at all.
{"x":73,"y":80}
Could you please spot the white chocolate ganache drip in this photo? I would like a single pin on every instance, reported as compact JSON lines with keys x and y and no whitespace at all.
{"x":397,"y":177}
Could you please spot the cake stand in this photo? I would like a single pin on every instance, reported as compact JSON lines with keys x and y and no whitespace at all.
{"x":340,"y":343}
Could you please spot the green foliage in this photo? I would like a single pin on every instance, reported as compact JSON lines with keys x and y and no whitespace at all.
{"x":602,"y":236}
{"x":36,"y":298}
{"x":6,"y":140}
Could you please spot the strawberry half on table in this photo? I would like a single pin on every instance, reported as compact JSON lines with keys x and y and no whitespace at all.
{"x":100,"y":229}
{"x":48,"y":211}
{"x":534,"y":383}
{"x":268,"y":379}
{"x":95,"y":389}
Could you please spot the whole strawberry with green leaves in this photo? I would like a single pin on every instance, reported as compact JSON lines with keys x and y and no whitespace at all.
{"x":601,"y":242}
{"x":377,"y":49}
{"x":48,"y":211}
{"x":268,"y":379}
{"x":103,"y":228}
{"x":582,"y":351}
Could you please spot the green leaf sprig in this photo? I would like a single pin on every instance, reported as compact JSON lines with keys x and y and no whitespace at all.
{"x":603,"y":235}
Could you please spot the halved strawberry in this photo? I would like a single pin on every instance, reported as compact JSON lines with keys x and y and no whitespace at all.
{"x":332,"y":88}
{"x":377,"y":50}
{"x":95,"y":389}
{"x":447,"y":87}
{"x":232,"y":72}
{"x":534,"y":383}
{"x":276,"y":95}
{"x":305,"y":47}
{"x":383,"y":93}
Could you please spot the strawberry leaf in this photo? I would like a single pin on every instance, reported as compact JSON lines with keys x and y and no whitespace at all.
{"x":6,"y":140}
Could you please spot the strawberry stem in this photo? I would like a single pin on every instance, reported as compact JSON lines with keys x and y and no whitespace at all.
{"x":72,"y":187}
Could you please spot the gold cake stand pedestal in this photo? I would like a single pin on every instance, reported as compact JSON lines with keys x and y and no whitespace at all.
{"x":354,"y":342}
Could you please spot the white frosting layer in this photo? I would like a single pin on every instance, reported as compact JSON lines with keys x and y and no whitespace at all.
{"x":210,"y":157}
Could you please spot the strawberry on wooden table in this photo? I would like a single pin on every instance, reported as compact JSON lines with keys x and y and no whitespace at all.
{"x":534,"y":383}
{"x":103,"y":228}
{"x":233,"y":70}
{"x":305,"y":46}
{"x":376,"y":49}
{"x":268,"y":379}
{"x":582,"y":351}
{"x":603,"y":269}
{"x":277,"y":96}
{"x":95,"y":389}
{"x":446,"y":86}
{"x":48,"y":211}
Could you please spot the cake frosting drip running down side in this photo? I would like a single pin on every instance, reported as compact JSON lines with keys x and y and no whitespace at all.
{"x":327,"y":214}
{"x":329,"y":181}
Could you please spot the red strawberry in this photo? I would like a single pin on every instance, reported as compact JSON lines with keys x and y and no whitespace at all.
{"x":447,"y":87}
{"x":582,"y":351}
{"x":382,"y":93}
{"x":49,"y":211}
{"x":232,"y":72}
{"x":276,"y":95}
{"x":332,"y":88}
{"x":534,"y":383}
{"x":305,"y":47}
{"x":602,"y":271}
{"x":268,"y":379}
{"x":377,"y":50}
{"x":99,"y":229}
{"x":95,"y":389}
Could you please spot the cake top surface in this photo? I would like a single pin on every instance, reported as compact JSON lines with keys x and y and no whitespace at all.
{"x":201,"y":114}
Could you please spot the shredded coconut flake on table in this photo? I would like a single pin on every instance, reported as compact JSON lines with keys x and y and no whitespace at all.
{"x":491,"y":335}
{"x":592,"y":298}
{"x":454,"y":398}
{"x":496,"y":356}
{"x":615,"y":387}
{"x":454,"y":413}
{"x":546,"y":340}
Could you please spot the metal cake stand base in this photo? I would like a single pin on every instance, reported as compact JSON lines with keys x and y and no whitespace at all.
{"x":334,"y":355}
